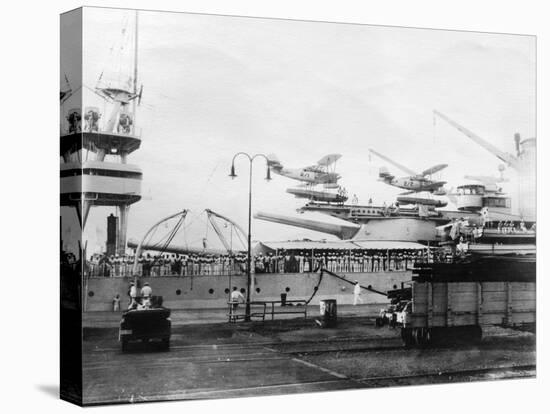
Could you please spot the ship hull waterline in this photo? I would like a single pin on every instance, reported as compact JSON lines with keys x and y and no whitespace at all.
{"x":212,"y":291}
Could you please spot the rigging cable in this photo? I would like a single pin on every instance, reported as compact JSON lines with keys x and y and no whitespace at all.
{"x":316,"y":288}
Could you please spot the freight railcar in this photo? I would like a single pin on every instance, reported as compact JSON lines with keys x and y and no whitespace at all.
{"x":452,"y":302}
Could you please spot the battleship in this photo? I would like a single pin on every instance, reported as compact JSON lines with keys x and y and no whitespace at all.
{"x":95,"y":153}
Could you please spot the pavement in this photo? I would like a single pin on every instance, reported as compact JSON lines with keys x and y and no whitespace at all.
{"x":210,"y":358}
{"x":201,"y":316}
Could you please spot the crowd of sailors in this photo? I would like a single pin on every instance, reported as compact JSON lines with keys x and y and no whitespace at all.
{"x":91,"y":118}
{"x":171,"y":264}
{"x":510,"y":227}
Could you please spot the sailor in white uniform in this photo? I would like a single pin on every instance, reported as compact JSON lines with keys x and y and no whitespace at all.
{"x":357,"y":294}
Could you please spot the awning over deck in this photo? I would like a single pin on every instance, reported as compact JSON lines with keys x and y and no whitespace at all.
{"x":389,"y":245}
{"x":271,"y":247}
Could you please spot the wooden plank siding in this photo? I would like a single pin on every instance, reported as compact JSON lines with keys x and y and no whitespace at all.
{"x":472,"y":303}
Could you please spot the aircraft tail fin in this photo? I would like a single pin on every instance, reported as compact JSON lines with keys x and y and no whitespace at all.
{"x":273,"y":162}
{"x":384,"y":174}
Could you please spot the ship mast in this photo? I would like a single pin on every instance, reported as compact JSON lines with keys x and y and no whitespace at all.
{"x":135,"y":68}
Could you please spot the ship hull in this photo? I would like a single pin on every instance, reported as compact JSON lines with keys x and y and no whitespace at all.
{"x":211,"y":291}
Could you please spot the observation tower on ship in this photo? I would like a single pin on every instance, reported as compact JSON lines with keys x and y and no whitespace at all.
{"x":96,"y":142}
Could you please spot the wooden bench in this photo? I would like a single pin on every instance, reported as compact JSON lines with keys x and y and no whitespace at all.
{"x":257,"y":310}
{"x":298,"y":307}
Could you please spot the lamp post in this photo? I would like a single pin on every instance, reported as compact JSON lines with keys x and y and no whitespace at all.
{"x":248,"y":259}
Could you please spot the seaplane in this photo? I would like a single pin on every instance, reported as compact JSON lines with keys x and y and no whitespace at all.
{"x":415,"y":182}
{"x":323,"y":173}
{"x":320,"y":173}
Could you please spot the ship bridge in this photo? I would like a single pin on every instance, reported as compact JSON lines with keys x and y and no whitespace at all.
{"x":94,"y":170}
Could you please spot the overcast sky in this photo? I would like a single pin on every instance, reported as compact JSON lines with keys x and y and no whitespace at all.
{"x":216,"y":85}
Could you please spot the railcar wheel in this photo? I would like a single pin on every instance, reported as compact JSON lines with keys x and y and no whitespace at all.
{"x":428,"y":336}
{"x":476,"y":334}
{"x":406,"y":336}
{"x":417,"y":336}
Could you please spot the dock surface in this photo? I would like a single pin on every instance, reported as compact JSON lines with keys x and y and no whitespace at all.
{"x":210,"y":358}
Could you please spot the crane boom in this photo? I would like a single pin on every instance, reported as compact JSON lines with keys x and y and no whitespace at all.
{"x":501,"y":155}
{"x":218,"y":231}
{"x":401,"y":167}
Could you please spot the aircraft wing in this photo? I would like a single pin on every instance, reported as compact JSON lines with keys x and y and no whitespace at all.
{"x":435,"y":185}
{"x":434,"y":169}
{"x":329,"y":160}
{"x":313,"y":168}
{"x":401,"y":167}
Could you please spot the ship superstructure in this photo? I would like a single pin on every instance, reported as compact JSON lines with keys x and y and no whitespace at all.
{"x":524,"y":163}
{"x":95,"y":146}
{"x":415,"y":222}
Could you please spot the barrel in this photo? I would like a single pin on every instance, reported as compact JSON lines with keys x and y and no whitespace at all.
{"x":328,"y":312}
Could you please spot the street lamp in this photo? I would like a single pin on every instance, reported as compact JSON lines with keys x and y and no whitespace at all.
{"x":248,"y":259}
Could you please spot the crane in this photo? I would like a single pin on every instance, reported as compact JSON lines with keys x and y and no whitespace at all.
{"x":507,"y":158}
{"x":238,"y":230}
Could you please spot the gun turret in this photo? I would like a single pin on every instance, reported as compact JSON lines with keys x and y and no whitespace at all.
{"x":342,"y":231}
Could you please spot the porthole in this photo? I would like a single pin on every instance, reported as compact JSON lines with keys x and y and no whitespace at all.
{"x":395,"y":286}
{"x":211,"y":291}
{"x":287,"y":289}
{"x":243,"y":290}
{"x":258,"y":290}
{"x":91,"y":293}
{"x":178,"y":292}
{"x":226,"y":291}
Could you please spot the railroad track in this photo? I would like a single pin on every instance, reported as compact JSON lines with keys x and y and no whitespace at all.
{"x":332,"y":345}
{"x":478,"y":374}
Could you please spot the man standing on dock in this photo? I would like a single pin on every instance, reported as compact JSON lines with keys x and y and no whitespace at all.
{"x":237,"y":297}
{"x":357,"y":293}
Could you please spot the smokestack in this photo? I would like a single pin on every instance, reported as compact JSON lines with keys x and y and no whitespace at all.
{"x":517,"y":139}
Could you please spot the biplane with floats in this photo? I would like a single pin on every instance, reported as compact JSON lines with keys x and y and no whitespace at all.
{"x":415,"y":182}
{"x":321,"y":173}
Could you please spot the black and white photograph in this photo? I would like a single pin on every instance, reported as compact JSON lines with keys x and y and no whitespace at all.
{"x":259,"y":207}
